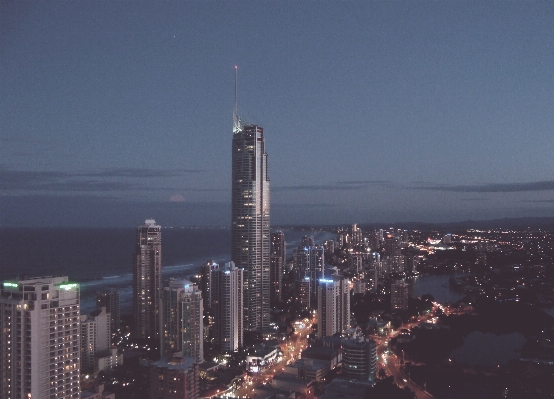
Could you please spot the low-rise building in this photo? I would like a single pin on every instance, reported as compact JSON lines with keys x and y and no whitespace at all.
{"x":176,"y":378}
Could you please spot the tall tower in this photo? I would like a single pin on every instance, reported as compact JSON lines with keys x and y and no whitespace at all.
{"x":333,"y":306}
{"x":39,"y":339}
{"x":276,"y":266}
{"x":182,"y":320}
{"x":147,"y":280}
{"x":227,"y":297}
{"x":250,"y":219}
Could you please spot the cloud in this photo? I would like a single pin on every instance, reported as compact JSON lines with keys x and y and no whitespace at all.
{"x":474,"y":199}
{"x":176,"y":198}
{"x":101,"y":181}
{"x":337,"y":186}
{"x":139,"y":172}
{"x":546,"y":185}
{"x":545,"y":201}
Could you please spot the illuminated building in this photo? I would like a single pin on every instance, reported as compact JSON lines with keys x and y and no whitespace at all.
{"x":309,"y":262}
{"x":303,"y":292}
{"x":276,"y":267}
{"x":39,"y":340}
{"x":147,"y":280}
{"x":333,"y":306}
{"x":359,"y":359}
{"x":250,"y":230}
{"x":399,"y":295}
{"x":182,"y":320}
{"x":176,"y":378}
{"x":227,"y":289}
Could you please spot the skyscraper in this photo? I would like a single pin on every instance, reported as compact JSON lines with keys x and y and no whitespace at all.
{"x":39,"y":339}
{"x":147,"y":280}
{"x":333,"y":306}
{"x":277,"y":265}
{"x":227,"y":300}
{"x":250,"y":219}
{"x":399,"y":295}
{"x":182,"y":320}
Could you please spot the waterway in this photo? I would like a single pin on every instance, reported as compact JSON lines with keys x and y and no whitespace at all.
{"x":438,"y":285}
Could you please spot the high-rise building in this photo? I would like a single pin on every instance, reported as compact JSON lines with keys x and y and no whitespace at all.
{"x":228,"y":286}
{"x":109,"y":299}
{"x":182,"y":320}
{"x":147,"y":280}
{"x":359,"y":358}
{"x":39,"y":339}
{"x":333,"y":306}
{"x":276,"y":267}
{"x":95,"y":337}
{"x":309,"y":262}
{"x":250,"y":220}
{"x":206,"y":284}
{"x":399,"y":295}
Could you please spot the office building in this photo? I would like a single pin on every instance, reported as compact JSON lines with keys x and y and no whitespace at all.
{"x":250,"y":230}
{"x":359,"y":358}
{"x":228,"y":285}
{"x":109,"y":299}
{"x":39,"y":339}
{"x":182,"y":320}
{"x":399,"y":295}
{"x":303,"y":292}
{"x":147,"y":280}
{"x":333,"y":306}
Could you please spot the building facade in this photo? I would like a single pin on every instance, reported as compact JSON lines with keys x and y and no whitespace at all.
{"x":359,"y":359}
{"x":176,"y":378}
{"x":95,"y":337}
{"x":333,"y":306}
{"x":250,"y":234}
{"x":228,"y":289}
{"x":147,"y":280}
{"x":277,"y":266}
{"x":399,"y":295}
{"x":182,"y":320}
{"x":39,"y":339}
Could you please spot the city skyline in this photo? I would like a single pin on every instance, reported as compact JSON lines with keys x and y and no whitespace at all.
{"x":375,"y":111}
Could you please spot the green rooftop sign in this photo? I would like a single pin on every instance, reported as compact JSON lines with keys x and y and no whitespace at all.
{"x":68,"y":286}
{"x":9,"y":284}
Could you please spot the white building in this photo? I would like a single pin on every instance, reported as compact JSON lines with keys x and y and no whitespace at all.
{"x":95,"y":337}
{"x":228,"y":288}
{"x":39,"y":340}
{"x":333,"y":305}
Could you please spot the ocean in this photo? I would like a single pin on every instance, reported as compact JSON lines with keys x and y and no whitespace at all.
{"x":102,"y":258}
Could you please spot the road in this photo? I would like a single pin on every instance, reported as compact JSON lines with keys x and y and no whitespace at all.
{"x":392,"y":364}
{"x":292,"y":350}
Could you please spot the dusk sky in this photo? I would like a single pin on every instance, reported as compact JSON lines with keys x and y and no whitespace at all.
{"x":112,"y":112}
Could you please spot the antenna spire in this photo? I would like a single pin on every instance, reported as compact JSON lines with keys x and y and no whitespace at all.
{"x":236,"y":119}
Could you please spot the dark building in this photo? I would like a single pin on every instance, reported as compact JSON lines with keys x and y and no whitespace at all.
{"x":147,"y":280}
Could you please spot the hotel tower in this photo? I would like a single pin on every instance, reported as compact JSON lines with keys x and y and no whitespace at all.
{"x":250,"y":241}
{"x":39,"y":339}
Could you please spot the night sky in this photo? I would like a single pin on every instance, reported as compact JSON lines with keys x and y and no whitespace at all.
{"x":112,"y":112}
